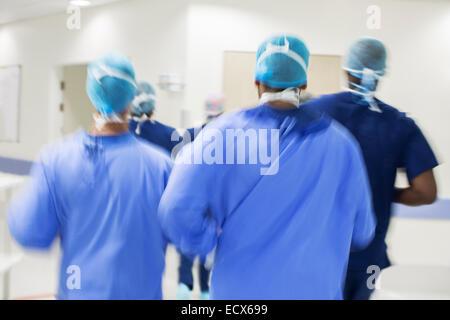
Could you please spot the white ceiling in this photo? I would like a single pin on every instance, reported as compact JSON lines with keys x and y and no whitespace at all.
{"x":13,"y":10}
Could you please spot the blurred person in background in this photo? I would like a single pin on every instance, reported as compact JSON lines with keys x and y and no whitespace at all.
{"x":389,"y":141}
{"x":281,"y":233}
{"x":166,"y":137}
{"x":141,"y":122}
{"x":214,"y":106}
{"x":99,"y":191}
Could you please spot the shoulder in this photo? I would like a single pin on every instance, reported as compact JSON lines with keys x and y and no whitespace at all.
{"x":231,"y":119}
{"x":341,"y":139}
{"x":325,"y":101}
{"x":238,"y":119}
{"x":391,"y":111}
{"x":63,"y":149}
{"x":399,"y":119}
{"x":341,"y":133}
{"x":153,"y":153}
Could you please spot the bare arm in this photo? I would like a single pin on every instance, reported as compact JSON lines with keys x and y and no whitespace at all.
{"x":422,"y":190}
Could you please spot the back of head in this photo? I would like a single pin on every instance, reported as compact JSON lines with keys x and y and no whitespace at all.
{"x":366,"y":53}
{"x":282,"y":62}
{"x":111,"y":84}
{"x":145,"y":99}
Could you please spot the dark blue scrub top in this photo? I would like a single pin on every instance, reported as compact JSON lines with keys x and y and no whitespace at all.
{"x":388,"y":140}
{"x":154,"y":132}
{"x":161,"y":135}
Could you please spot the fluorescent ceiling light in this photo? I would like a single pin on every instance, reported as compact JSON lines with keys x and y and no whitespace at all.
{"x":80,"y":3}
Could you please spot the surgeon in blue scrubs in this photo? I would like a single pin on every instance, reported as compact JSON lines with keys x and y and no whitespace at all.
{"x":389,"y":141}
{"x":279,"y":225}
{"x":99,"y":192}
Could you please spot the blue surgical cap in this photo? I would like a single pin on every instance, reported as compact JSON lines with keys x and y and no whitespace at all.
{"x":145,"y":99}
{"x":282,"y":62}
{"x":366,"y":53}
{"x":111,"y":83}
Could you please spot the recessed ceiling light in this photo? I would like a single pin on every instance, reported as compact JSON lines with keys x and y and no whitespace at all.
{"x":80,"y":3}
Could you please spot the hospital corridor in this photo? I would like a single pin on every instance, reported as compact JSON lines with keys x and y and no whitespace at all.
{"x":209,"y":151}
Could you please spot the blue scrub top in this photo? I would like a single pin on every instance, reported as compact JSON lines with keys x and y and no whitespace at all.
{"x":100,"y":194}
{"x":389,"y":140}
{"x":282,"y":236}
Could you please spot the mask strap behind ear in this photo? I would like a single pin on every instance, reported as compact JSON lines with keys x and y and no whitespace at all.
{"x":289,"y":95}
{"x":368,"y":78}
{"x":377,"y":73}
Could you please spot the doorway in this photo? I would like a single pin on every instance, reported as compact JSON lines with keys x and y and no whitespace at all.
{"x":76,"y":107}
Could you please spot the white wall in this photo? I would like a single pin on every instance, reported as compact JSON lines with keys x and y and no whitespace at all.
{"x":152,"y":33}
{"x":190,"y":36}
{"x":419,"y":241}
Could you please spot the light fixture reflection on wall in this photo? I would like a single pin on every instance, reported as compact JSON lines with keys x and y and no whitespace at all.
{"x":172,"y":82}
{"x":80,"y":3}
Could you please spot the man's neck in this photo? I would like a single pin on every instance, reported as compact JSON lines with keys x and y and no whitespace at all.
{"x":110,"y":129}
{"x":281,"y":105}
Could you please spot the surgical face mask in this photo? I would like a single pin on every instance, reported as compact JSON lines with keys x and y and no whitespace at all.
{"x":367,"y":87}
{"x":289,"y":95}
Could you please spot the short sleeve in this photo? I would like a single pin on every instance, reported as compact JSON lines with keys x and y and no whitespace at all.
{"x":417,"y":156}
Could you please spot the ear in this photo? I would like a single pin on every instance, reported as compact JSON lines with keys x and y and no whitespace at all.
{"x":303,"y":87}
{"x":352,"y":78}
